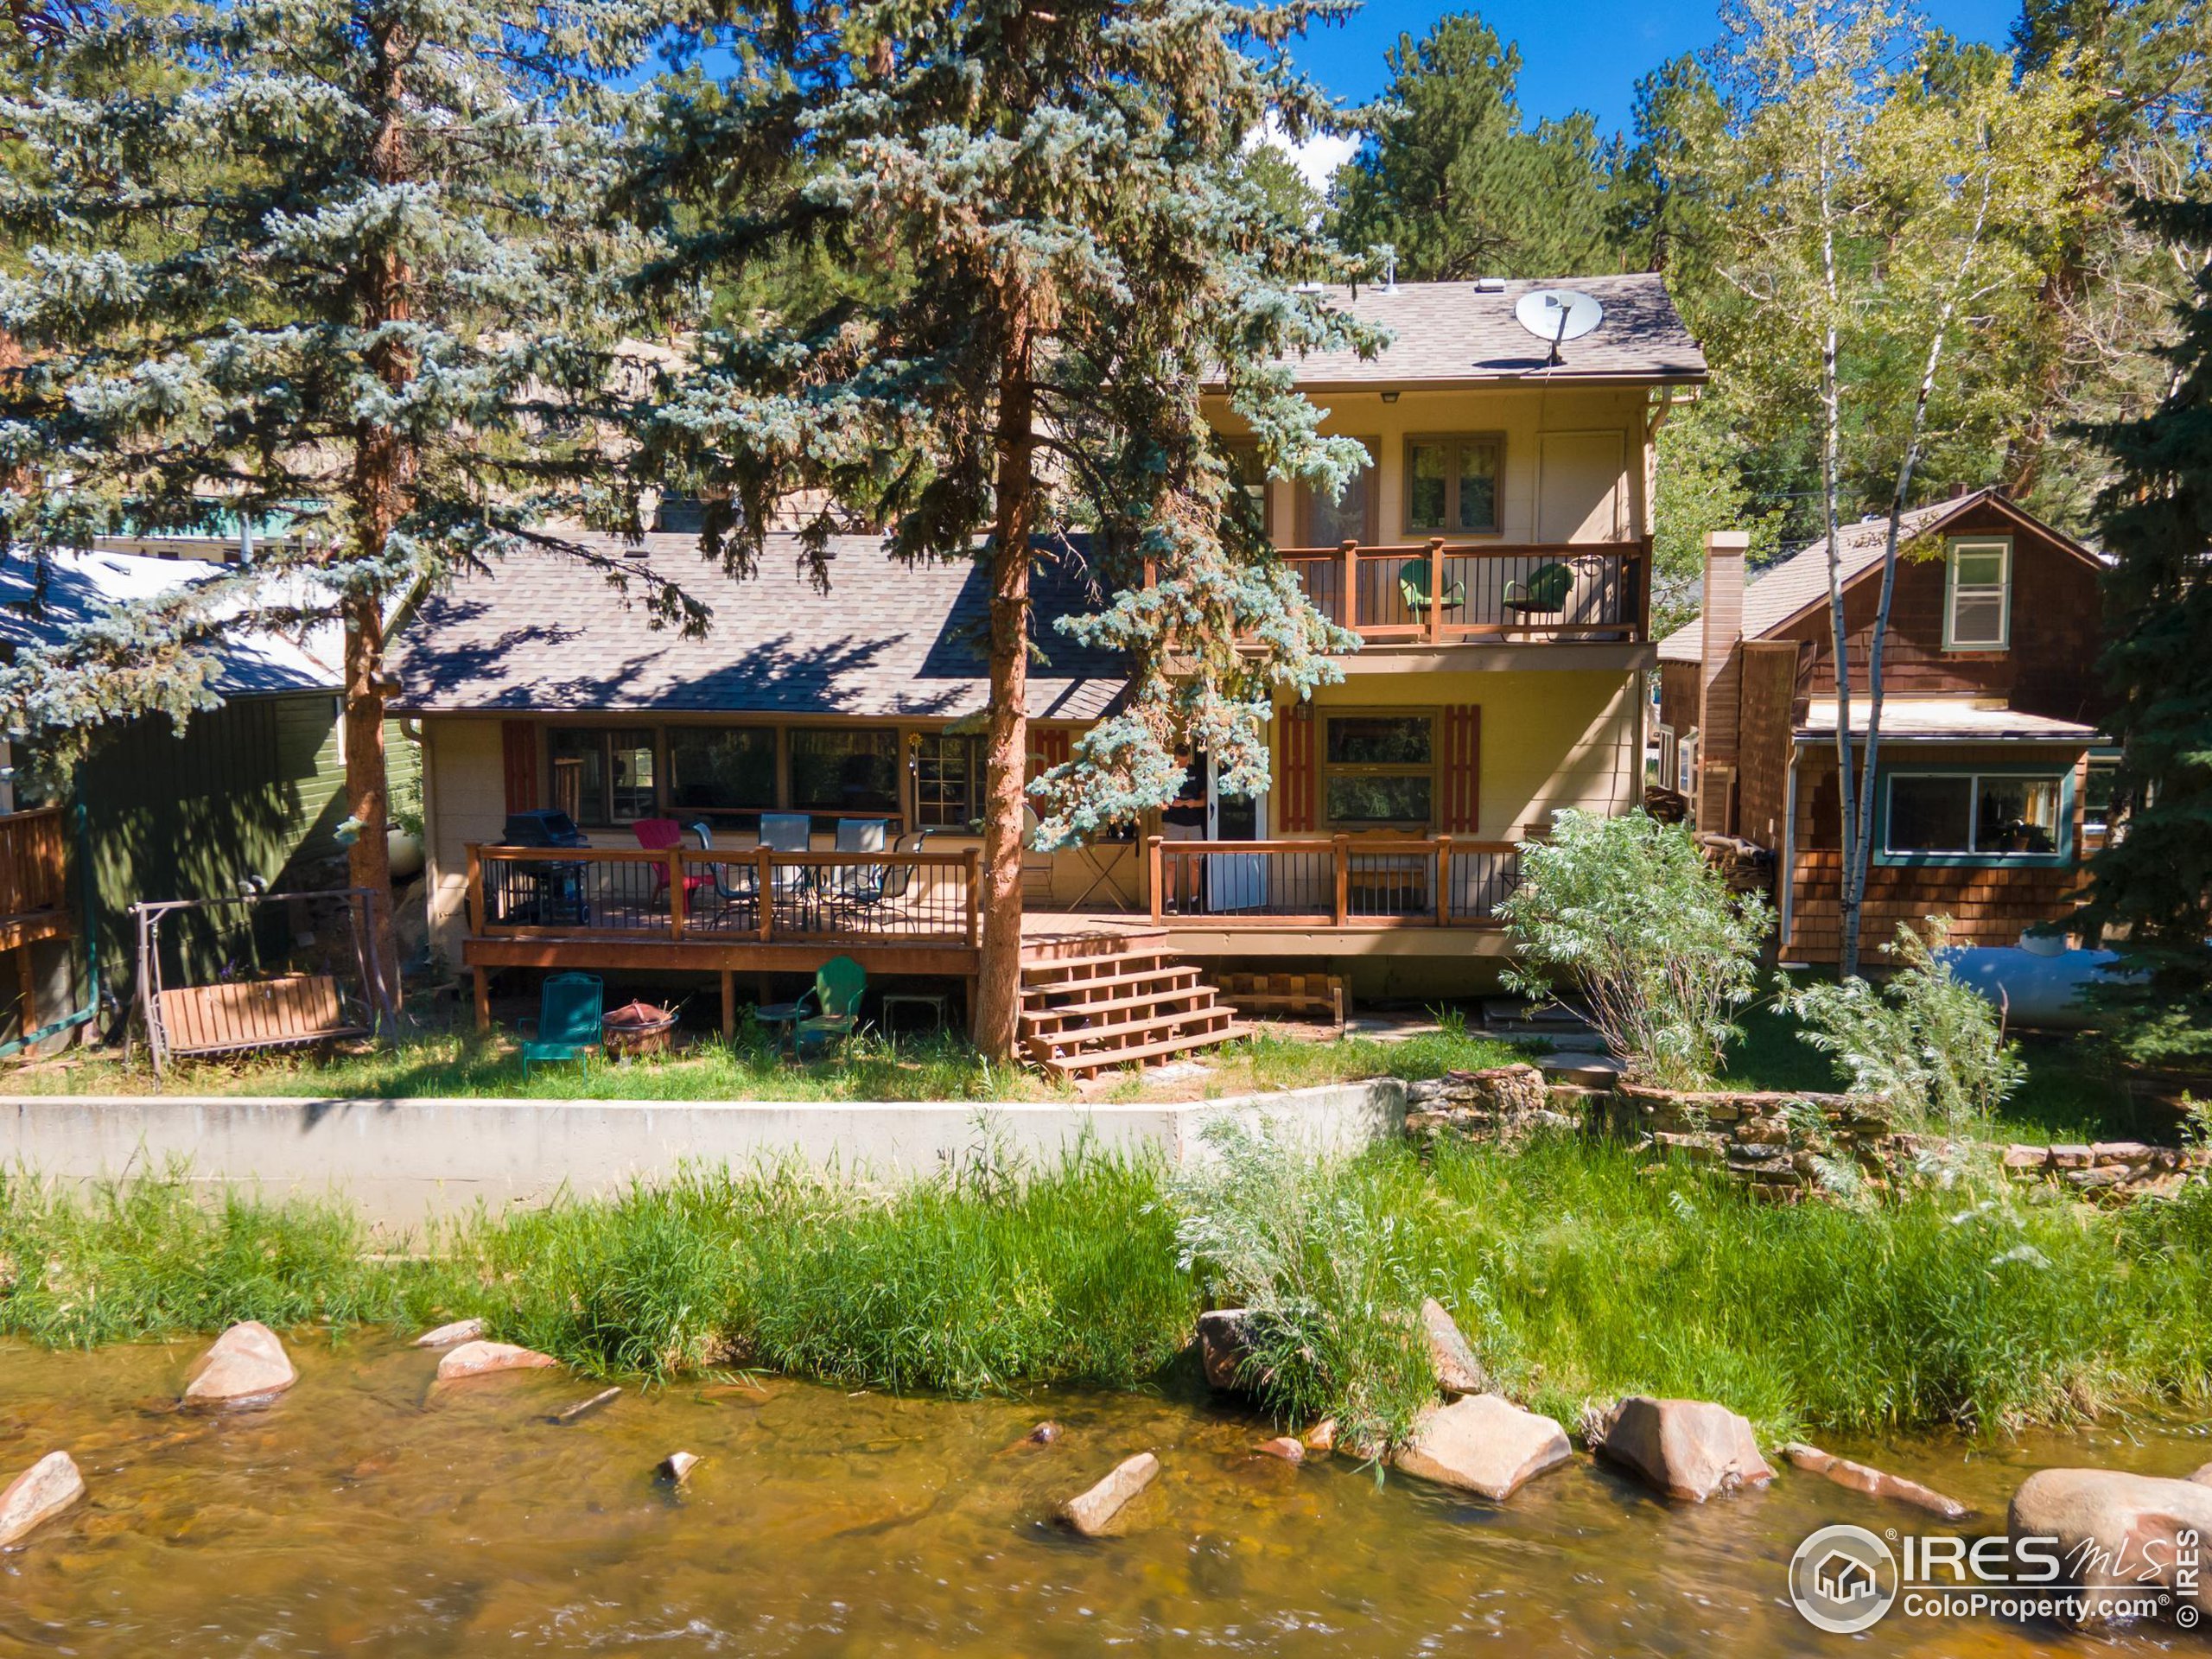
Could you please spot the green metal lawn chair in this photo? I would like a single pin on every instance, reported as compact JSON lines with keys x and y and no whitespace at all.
{"x":836,"y":1004}
{"x":1412,"y":587}
{"x":567,"y":1023}
{"x":1545,"y":592}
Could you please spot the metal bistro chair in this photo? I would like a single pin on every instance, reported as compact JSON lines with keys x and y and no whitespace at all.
{"x":1413,"y":589}
{"x":1544,"y":593}
{"x":568,"y":1025}
{"x":745,"y":895}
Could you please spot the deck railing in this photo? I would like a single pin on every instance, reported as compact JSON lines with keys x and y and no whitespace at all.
{"x":1441,"y":594}
{"x":750,"y":893}
{"x":1356,"y":882}
{"x":33,"y":862}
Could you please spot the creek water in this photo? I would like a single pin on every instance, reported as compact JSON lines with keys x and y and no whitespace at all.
{"x":368,"y":1512}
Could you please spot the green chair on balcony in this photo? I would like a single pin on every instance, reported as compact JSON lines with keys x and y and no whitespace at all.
{"x":1412,"y":587}
{"x":1544,"y":593}
{"x":567,"y":1023}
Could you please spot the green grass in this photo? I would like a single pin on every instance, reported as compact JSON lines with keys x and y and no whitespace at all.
{"x":465,"y":1065}
{"x":1580,"y":1274}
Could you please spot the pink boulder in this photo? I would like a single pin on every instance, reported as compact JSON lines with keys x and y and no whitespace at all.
{"x":482,"y":1358}
{"x":1688,"y":1449}
{"x":246,"y":1362}
{"x":40,"y":1493}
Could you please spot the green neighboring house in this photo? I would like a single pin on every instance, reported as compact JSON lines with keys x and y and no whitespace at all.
{"x":251,"y":792}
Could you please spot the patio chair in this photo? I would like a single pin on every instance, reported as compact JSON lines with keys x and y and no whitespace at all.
{"x":872,"y":887}
{"x":789,"y":832}
{"x":1544,"y":593}
{"x":835,"y":1001}
{"x":661,"y":835}
{"x":567,"y":1024}
{"x":850,"y":881}
{"x":1412,"y":587}
{"x":744,"y":893}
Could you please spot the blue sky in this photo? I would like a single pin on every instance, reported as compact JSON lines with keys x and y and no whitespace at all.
{"x":1575,"y":53}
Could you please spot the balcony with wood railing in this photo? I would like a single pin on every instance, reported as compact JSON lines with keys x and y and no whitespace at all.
{"x":1343,"y":882}
{"x":1437,"y":593}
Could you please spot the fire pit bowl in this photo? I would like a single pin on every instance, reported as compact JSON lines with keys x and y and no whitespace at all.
{"x":639,"y":1028}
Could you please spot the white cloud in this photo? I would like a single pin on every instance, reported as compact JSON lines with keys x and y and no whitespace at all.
{"x":1316,"y":159}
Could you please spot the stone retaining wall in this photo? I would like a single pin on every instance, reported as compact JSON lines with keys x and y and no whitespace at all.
{"x":1779,"y":1144}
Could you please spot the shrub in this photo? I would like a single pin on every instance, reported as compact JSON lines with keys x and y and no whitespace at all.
{"x":1628,"y":911}
{"x":1323,"y":1263}
{"x":1928,"y":1046}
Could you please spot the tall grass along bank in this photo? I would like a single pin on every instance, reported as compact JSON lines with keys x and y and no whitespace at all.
{"x":1579,"y":1272}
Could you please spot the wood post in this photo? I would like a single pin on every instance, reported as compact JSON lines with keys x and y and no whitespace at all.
{"x":1443,"y":880}
{"x":28,"y":982}
{"x":483,"y":1000}
{"x":1642,"y":591}
{"x":729,"y":1005}
{"x":1341,"y":845}
{"x":975,"y":863}
{"x":475,"y":890}
{"x":1350,"y":553}
{"x":1436,"y":590}
{"x":1155,"y":861}
{"x":676,"y":905}
{"x":764,"y":884}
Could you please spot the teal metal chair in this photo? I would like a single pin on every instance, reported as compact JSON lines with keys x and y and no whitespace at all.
{"x":1543,"y":593}
{"x":567,"y":1024}
{"x":1412,"y":587}
{"x":830,"y":1010}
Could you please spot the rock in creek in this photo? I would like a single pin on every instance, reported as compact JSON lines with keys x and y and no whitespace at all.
{"x":482,"y":1358}
{"x":1223,"y":1348}
{"x":1282,"y":1447}
{"x":584,"y":1408}
{"x":1685,"y":1448}
{"x":1875,"y":1483}
{"x":40,"y":1493}
{"x":1089,"y":1513}
{"x":1322,"y":1437}
{"x":2116,"y":1533}
{"x":1484,"y":1443}
{"x":451,"y":1336}
{"x":246,"y":1362}
{"x":676,"y":1468}
{"x":2204,"y":1477}
{"x":1458,"y":1370}
{"x":1043,"y":1435}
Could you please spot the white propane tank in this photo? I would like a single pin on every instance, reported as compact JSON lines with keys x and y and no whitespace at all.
{"x":2039,"y":983}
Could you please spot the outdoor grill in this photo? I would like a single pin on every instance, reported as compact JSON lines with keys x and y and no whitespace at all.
{"x":540,"y":892}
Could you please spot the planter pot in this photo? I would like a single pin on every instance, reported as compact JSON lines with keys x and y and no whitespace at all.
{"x":405,"y":852}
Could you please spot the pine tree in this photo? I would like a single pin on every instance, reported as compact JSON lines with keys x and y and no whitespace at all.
{"x":1062,"y":253}
{"x":1451,"y":180}
{"x":2150,"y":889}
{"x":323,"y":266}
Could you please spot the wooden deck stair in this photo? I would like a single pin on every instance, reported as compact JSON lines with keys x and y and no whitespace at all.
{"x":1092,"y":1001}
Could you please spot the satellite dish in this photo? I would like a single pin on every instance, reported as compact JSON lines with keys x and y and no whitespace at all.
{"x":1557,"y":315}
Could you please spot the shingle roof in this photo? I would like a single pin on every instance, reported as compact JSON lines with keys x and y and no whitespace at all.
{"x":542,"y":632}
{"x":1448,"y":332}
{"x":81,"y":587}
{"x":1784,"y":589}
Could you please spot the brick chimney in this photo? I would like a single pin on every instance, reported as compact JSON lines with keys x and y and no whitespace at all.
{"x":1719,"y":678}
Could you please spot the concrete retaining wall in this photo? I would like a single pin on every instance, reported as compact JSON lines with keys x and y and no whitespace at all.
{"x":401,"y":1161}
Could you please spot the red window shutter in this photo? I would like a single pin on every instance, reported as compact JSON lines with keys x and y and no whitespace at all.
{"x":1048,"y":748}
{"x":1462,"y":769}
{"x":518,"y":744}
{"x":1296,"y":786}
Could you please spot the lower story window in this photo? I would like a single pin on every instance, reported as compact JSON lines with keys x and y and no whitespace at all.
{"x":845,"y":770}
{"x":721,"y":769}
{"x":1975,"y":814}
{"x":601,"y":776}
{"x":948,"y":780}
{"x":1379,"y":769}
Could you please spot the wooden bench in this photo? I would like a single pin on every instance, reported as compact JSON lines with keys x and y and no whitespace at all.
{"x":285,"y":1012}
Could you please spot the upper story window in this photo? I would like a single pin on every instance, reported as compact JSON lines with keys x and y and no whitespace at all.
{"x":1351,"y":517}
{"x":948,"y":780}
{"x":722,"y":768}
{"x":600,"y":776}
{"x":844,"y":770}
{"x":1247,"y":473}
{"x":1978,"y":594}
{"x":1452,"y":483}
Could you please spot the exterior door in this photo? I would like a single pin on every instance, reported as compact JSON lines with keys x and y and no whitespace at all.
{"x":1234,"y":880}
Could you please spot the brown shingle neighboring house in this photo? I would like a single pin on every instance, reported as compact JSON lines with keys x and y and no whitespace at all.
{"x":1987,"y":797}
